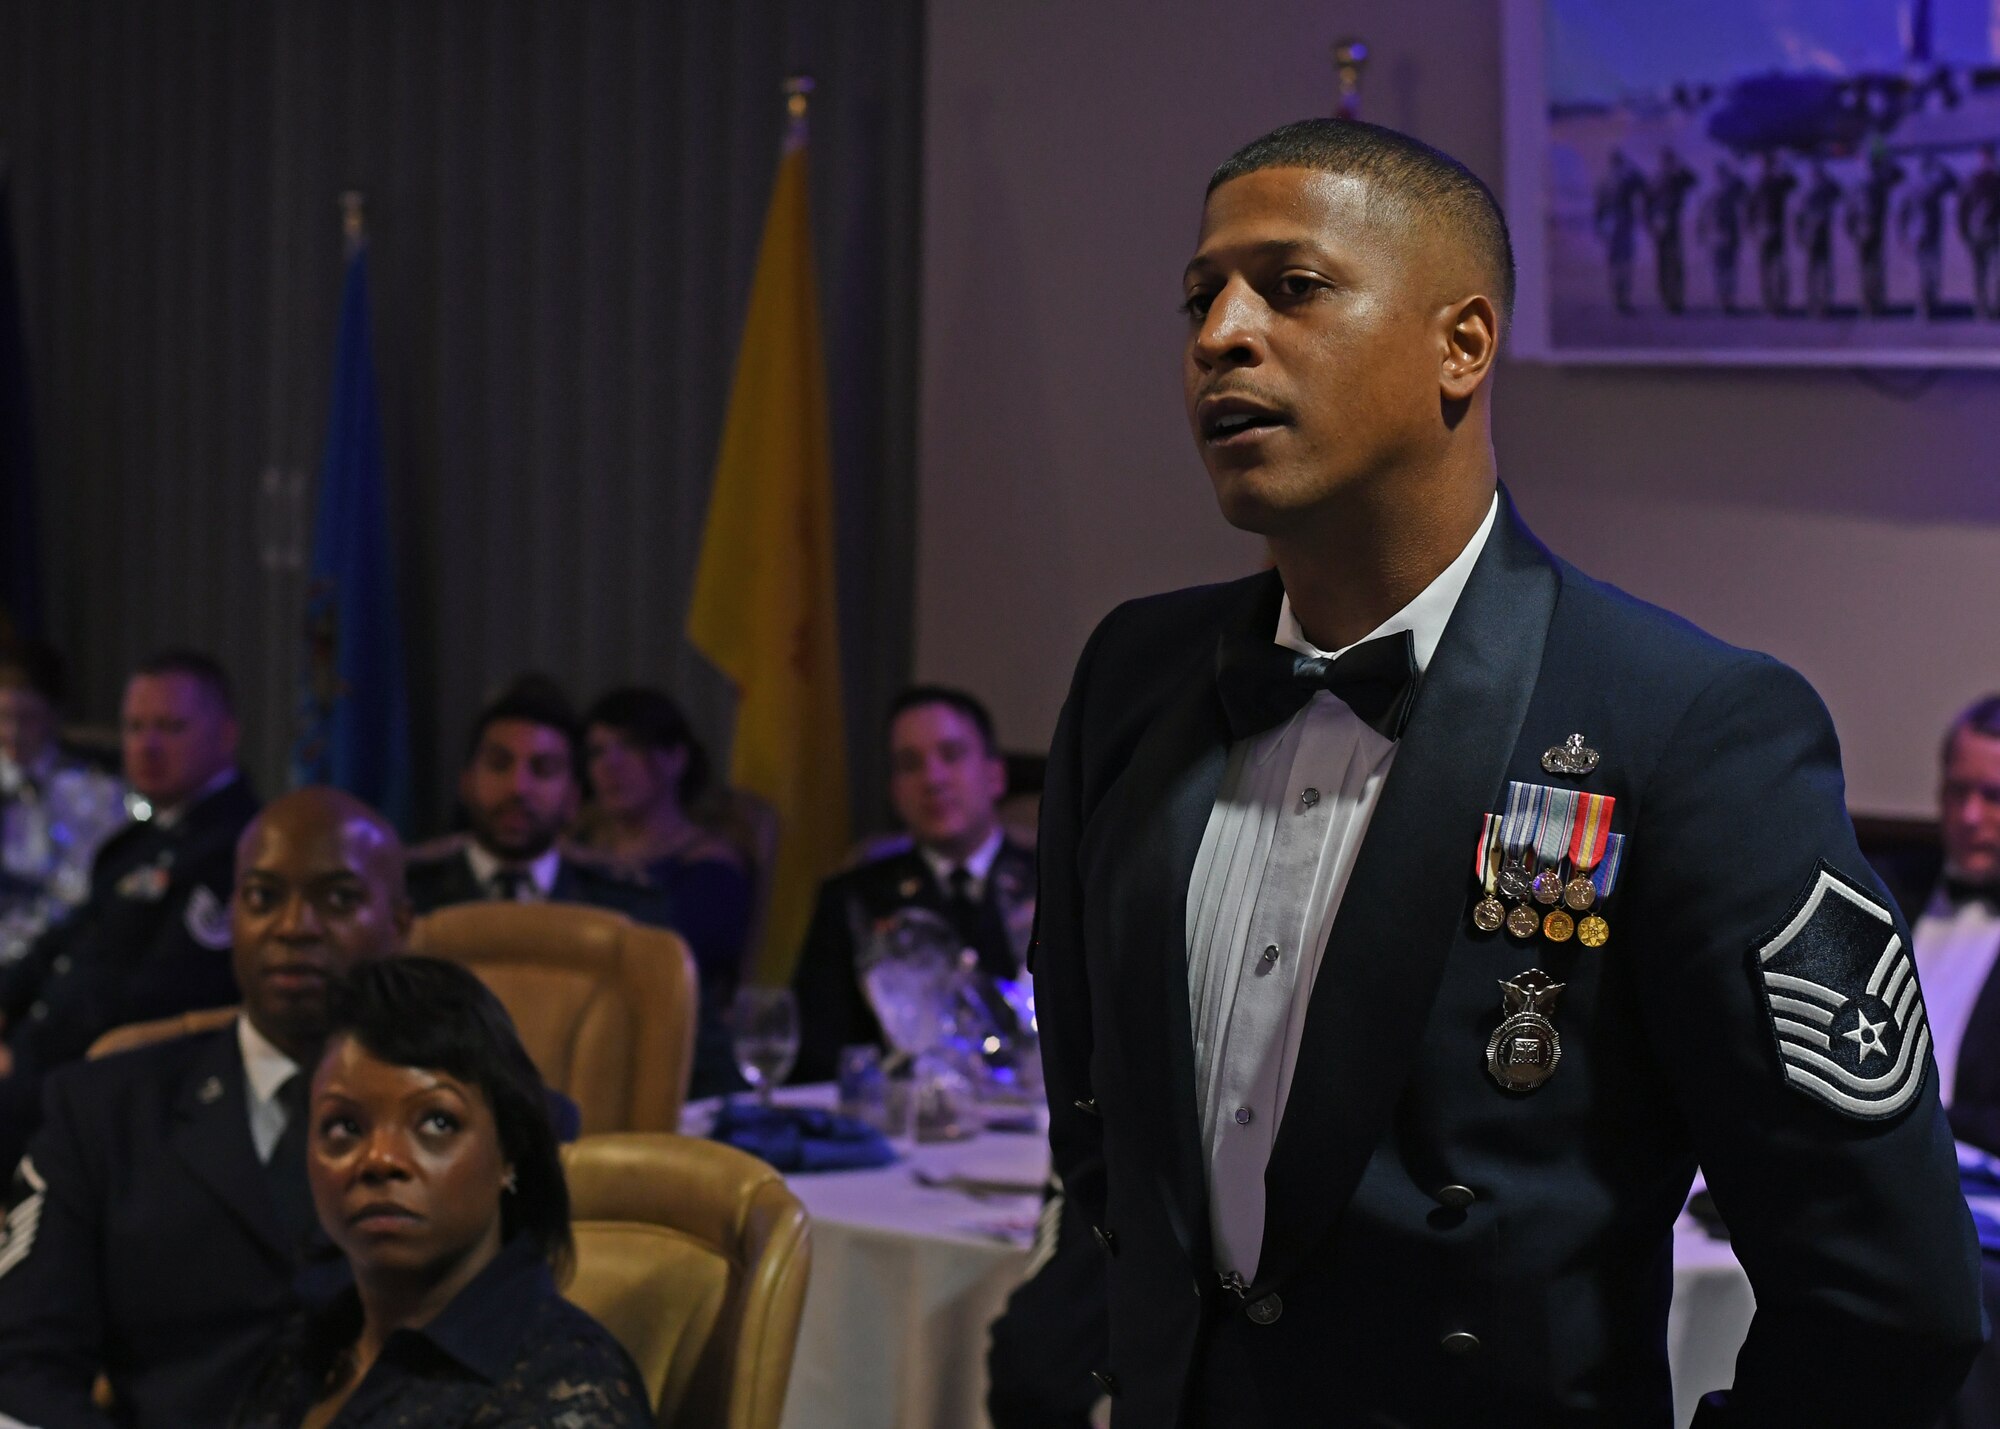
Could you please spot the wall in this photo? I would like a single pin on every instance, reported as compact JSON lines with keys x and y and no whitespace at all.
{"x":1846,"y":528}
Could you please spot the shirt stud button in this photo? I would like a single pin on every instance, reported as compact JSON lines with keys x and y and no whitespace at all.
{"x":1243,"y":1116}
{"x":1270,"y":954}
{"x":1308,"y":798}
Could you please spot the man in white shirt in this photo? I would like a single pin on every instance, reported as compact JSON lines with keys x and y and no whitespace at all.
{"x":1363,"y":1144}
{"x":160,"y":1222}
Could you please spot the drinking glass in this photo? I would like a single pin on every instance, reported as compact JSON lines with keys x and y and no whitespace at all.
{"x":764,"y":1032}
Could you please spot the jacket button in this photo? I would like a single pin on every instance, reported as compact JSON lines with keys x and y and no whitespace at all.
{"x":1456,"y":1198}
{"x":60,"y":965}
{"x":1086,"y":1105}
{"x":1459,"y":1342}
{"x":1106,"y":1381}
{"x":39,"y":1012}
{"x":1264,"y":1310}
{"x":1106,"y":1239}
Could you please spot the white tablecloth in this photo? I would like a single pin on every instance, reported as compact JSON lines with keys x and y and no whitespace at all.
{"x":906,"y":1279}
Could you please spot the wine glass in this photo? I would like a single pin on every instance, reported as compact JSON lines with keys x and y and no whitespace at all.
{"x":764,"y":1033}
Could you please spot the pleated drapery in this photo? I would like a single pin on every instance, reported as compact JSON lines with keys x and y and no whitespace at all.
{"x":563,"y":204}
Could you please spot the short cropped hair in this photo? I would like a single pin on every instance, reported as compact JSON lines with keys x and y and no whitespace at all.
{"x":965,"y":703}
{"x":204,"y":669}
{"x":423,"y":1012}
{"x":1437,"y":188}
{"x":1982,"y":717}
{"x":33,"y":665}
{"x":652,"y":719}
{"x":532,"y":699}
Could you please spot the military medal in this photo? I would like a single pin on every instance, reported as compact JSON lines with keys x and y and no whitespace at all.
{"x":1586,"y":848}
{"x":1489,"y":912}
{"x":1523,"y":921}
{"x":1552,"y":839}
{"x":1526,"y":1048}
{"x":1558,"y":927}
{"x":1592,"y":931}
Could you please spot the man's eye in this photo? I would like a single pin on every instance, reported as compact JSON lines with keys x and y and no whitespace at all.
{"x":343,"y":900}
{"x":1196,"y":305}
{"x":441,"y":1121}
{"x":337,"y":1128}
{"x":1297,"y":285}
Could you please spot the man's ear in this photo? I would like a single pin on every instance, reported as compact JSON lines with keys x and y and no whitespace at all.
{"x":1471,"y":343}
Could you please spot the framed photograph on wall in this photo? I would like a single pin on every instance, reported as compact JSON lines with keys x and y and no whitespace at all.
{"x":1755,"y":181}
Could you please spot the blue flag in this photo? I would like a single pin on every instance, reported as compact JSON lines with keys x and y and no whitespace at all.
{"x":355,"y":726}
{"x":20,"y":546}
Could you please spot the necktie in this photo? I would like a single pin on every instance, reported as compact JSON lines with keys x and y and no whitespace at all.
{"x":285,"y":1172}
{"x":1266,"y":684}
{"x":979,"y":926}
{"x":509,"y":884}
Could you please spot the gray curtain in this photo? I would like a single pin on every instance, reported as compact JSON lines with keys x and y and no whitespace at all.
{"x":564,"y":199}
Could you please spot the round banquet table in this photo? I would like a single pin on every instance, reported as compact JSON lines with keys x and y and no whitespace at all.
{"x":907,"y":1277}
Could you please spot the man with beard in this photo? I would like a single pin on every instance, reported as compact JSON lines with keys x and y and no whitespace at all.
{"x":520,"y":790}
{"x":160,"y":1222}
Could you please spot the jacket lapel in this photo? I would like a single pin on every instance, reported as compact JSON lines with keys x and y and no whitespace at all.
{"x":1170,"y":784}
{"x":1385,"y":957}
{"x":211,"y":1136}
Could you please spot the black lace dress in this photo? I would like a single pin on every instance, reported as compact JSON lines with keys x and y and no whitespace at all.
{"x":507,"y":1353}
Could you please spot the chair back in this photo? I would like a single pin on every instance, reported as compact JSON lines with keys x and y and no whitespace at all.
{"x":605,"y":1006}
{"x":134,"y":1035}
{"x":696,"y":1256}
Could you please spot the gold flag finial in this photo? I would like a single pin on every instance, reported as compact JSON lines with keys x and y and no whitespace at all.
{"x":1350,"y":57}
{"x":353,"y":226}
{"x":797,"y":90}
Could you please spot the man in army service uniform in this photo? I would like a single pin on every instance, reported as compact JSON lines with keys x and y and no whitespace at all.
{"x":946,"y":780}
{"x":152,"y":939}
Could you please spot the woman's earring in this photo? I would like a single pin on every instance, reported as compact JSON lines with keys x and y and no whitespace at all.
{"x":510,"y":1184}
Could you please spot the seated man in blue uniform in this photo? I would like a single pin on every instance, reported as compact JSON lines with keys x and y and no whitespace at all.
{"x":152,"y":938}
{"x":520,"y":788}
{"x":1376,"y":1133}
{"x":946,"y":781}
{"x":161,"y":1218}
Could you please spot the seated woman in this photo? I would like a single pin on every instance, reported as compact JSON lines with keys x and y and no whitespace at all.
{"x":646,"y":771}
{"x":434,"y":1170}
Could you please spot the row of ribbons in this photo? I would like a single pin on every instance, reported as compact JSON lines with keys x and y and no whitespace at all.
{"x":1551,"y":850}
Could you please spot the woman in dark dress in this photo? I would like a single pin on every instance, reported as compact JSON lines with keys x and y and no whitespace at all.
{"x":647,"y":770}
{"x":435,"y":1171}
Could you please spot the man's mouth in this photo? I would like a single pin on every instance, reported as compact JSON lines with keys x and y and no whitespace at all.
{"x":1229,"y":421}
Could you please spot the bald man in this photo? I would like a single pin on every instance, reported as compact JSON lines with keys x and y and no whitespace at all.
{"x":1374,"y":1133}
{"x":160,"y":1219}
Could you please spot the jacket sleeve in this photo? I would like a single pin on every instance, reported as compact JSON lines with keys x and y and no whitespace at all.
{"x":1847,"y":1217}
{"x":1056,"y":958}
{"x":832,"y":1010}
{"x":51,"y":1279}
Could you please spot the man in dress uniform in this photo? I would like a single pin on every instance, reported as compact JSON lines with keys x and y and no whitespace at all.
{"x":1376,"y":1133}
{"x":946,"y":781}
{"x":520,"y":789}
{"x":161,"y":1218}
{"x":152,"y":938}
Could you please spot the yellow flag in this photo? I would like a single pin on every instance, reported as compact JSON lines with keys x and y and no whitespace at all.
{"x":764,"y":605}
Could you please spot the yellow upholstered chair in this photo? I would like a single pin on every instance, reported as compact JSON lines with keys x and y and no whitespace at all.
{"x":696,"y":1256}
{"x":605,"y":1006}
{"x":143,"y":1034}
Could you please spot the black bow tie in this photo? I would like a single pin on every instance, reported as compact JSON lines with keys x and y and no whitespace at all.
{"x":1266,"y":684}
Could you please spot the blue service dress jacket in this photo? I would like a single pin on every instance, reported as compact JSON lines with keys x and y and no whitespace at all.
{"x":143,"y":1243}
{"x":1439,"y":1250}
